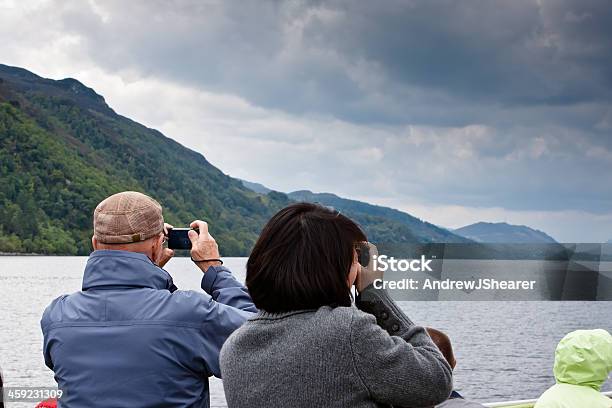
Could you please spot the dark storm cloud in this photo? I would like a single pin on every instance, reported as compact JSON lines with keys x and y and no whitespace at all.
{"x":426,"y":62}
{"x":516,"y":52}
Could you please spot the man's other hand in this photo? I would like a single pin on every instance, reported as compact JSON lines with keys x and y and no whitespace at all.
{"x":203,"y":246}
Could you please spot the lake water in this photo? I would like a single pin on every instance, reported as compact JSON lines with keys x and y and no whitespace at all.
{"x":504,"y":349}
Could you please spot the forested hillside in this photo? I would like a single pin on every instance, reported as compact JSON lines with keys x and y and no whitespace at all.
{"x":63,"y":150}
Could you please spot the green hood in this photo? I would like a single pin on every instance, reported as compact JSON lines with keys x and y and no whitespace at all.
{"x":584,"y":357}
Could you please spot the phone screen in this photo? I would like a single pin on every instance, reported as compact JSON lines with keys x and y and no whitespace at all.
{"x":178,"y":238}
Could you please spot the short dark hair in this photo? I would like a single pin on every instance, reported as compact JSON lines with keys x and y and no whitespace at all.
{"x":302,"y":259}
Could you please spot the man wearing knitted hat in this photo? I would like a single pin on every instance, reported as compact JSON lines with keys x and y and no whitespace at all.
{"x":130,"y":338}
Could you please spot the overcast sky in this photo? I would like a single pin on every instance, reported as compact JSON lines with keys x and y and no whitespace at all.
{"x":454,"y":111}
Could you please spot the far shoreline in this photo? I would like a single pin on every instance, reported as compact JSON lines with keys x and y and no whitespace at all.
{"x":25,"y":254}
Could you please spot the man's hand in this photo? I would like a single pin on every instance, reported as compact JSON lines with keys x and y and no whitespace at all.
{"x":166,"y":253}
{"x":203,"y":246}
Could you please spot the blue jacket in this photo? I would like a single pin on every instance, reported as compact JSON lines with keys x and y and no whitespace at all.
{"x":130,"y":339}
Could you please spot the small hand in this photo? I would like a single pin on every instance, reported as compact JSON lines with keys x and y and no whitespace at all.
{"x":368,"y":274}
{"x":165,"y":256}
{"x":203,"y":246}
{"x":166,"y":253}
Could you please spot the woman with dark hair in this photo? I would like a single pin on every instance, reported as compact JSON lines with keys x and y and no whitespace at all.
{"x":309,"y":346}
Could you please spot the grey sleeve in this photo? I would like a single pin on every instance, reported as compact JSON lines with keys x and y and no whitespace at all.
{"x":404,"y":369}
{"x":388,"y":315}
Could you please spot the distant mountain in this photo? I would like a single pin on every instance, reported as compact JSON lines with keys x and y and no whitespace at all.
{"x":502,"y":232}
{"x":382,"y":224}
{"x":256,"y":187}
{"x":63,"y":149}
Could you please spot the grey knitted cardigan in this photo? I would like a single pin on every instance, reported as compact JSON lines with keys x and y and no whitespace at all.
{"x":334,"y":357}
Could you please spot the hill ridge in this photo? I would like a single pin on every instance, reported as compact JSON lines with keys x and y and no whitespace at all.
{"x":405,"y":227}
{"x":502,"y":232}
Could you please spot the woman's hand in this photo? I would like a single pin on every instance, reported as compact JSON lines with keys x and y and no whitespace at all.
{"x":204,"y":248}
{"x":368,"y":274}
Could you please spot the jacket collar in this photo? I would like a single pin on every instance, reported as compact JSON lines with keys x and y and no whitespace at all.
{"x":110,"y":268}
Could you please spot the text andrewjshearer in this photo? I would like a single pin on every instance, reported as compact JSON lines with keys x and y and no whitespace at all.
{"x":385,"y":263}
{"x":448,"y":284}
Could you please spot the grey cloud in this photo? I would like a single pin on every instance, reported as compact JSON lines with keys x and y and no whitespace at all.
{"x":427,"y":62}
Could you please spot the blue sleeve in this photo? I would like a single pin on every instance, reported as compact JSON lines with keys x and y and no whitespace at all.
{"x":50,"y":314}
{"x":219,"y":283}
{"x":228,"y":307}
{"x":222,"y":320}
{"x":46,"y":347}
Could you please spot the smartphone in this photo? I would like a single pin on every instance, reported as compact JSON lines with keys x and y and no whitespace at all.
{"x":178,"y":238}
